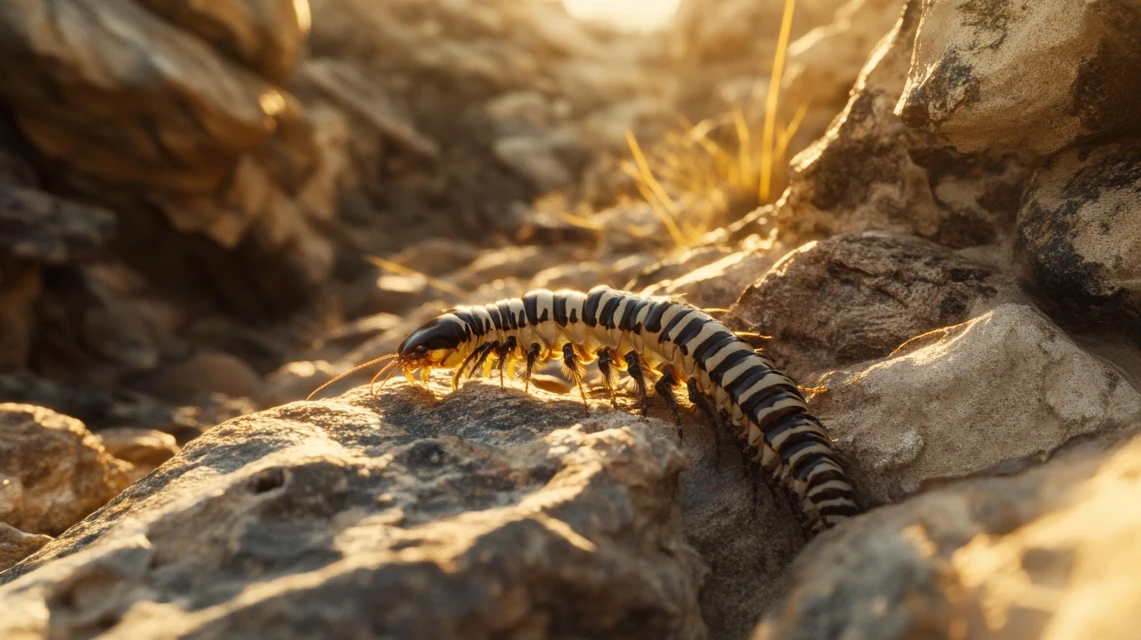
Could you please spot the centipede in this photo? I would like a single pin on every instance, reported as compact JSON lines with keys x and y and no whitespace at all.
{"x":661,"y":344}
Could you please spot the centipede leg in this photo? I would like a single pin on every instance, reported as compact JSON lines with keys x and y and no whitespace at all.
{"x":664,"y":387}
{"x":532,"y":356}
{"x":490,"y":346}
{"x":502,"y":353}
{"x":463,"y":366}
{"x":604,"y":355}
{"x":706,"y":407}
{"x":574,"y":370}
{"x":634,"y":369}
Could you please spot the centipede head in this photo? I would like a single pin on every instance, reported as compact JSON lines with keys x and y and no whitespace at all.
{"x":433,"y":344}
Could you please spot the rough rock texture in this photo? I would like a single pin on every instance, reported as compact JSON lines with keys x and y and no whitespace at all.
{"x":1024,"y":77}
{"x":129,"y":104}
{"x":857,"y":297}
{"x":1005,"y":388}
{"x":1048,"y":554}
{"x":15,"y":545}
{"x":871,"y":172}
{"x":53,"y":472}
{"x":718,"y":284}
{"x":1080,"y":229}
{"x":526,"y":518}
{"x":145,"y":449}
{"x":38,"y":227}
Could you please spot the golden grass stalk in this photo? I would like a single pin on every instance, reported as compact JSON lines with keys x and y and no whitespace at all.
{"x":446,"y":287}
{"x":773,"y":100}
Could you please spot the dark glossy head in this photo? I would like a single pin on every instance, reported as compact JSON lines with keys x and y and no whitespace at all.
{"x":433,"y":342}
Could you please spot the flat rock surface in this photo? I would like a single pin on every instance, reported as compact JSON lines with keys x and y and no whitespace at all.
{"x":482,"y":514}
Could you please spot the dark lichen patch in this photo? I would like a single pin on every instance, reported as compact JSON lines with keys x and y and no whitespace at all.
{"x":1105,"y":91}
{"x":990,"y":19}
{"x":949,"y":87}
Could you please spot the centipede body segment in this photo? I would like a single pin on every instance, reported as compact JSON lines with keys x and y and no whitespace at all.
{"x":662,"y":344}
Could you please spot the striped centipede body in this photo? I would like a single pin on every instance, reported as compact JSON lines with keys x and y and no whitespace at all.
{"x":656,"y":341}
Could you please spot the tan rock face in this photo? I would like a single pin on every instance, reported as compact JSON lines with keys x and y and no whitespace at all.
{"x":53,"y":472}
{"x":851,"y":298}
{"x":1049,"y":554}
{"x":482,"y":514}
{"x":1027,"y":77}
{"x":1006,"y":386}
{"x":15,"y":545}
{"x":1079,"y":226}
{"x":870,"y":172}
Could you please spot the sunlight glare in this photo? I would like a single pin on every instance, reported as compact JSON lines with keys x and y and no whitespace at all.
{"x":627,"y":14}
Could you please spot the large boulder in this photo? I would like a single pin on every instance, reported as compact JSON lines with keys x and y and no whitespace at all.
{"x":483,"y":514}
{"x":1024,"y":77}
{"x":1081,"y":232}
{"x":1001,"y":391}
{"x":871,"y":172}
{"x":1051,"y":553}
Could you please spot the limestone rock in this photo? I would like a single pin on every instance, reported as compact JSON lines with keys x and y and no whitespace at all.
{"x":1050,"y":553}
{"x":482,"y":514}
{"x":1079,"y":225}
{"x":38,"y":227}
{"x":870,"y":172}
{"x":53,"y":472}
{"x":857,"y":297}
{"x":145,"y":449}
{"x":1028,"y":78}
{"x":1008,"y":385}
{"x":15,"y":545}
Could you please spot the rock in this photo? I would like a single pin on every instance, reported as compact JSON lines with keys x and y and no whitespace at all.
{"x":53,"y":472}
{"x":20,"y":286}
{"x":307,"y":516}
{"x":353,"y":91}
{"x":1049,"y":553}
{"x":858,"y":297}
{"x":100,"y":409}
{"x":582,"y":276}
{"x":1005,"y":386}
{"x":870,"y":172}
{"x":510,"y":262}
{"x":113,"y":90}
{"x":15,"y":545}
{"x":203,"y":373}
{"x":1078,"y":226}
{"x":719,"y":284}
{"x":38,"y":227}
{"x":436,"y":256}
{"x":1026,"y":78}
{"x":295,"y":381}
{"x":265,"y":35}
{"x":537,"y":159}
{"x":145,"y":449}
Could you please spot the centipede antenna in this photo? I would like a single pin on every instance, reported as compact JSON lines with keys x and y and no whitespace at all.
{"x":391,"y":368}
{"x":355,"y":369}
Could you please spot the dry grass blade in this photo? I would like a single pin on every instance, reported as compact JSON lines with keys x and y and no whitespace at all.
{"x":773,"y":101}
{"x":668,"y":213}
{"x":436,"y":283}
